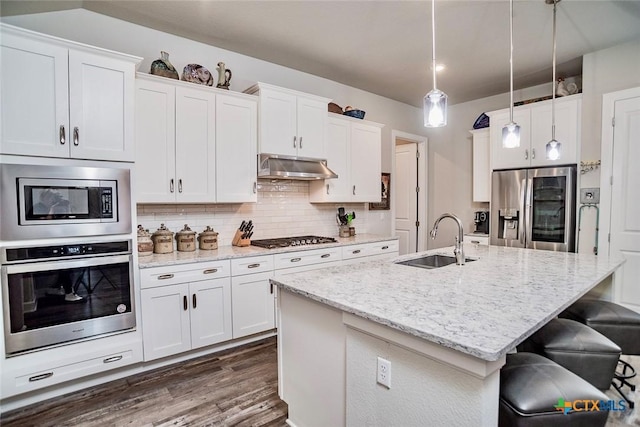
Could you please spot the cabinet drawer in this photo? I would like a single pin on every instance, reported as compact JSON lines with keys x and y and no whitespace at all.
{"x":56,"y":375}
{"x":251,"y":265}
{"x":370,"y":249}
{"x":171,"y":275}
{"x":310,"y":257}
{"x":476,"y":240}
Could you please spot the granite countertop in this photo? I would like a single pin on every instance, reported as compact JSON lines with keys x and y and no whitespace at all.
{"x":484,"y":308}
{"x":228,"y":252}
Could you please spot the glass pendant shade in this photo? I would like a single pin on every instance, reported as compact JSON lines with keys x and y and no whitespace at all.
{"x":511,"y":135}
{"x":435,"y":109}
{"x":553,"y":150}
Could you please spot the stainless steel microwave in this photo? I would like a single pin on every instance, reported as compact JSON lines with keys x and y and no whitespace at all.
{"x":44,"y":201}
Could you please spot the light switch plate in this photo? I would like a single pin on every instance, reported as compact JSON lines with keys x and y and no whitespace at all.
{"x":589,"y":196}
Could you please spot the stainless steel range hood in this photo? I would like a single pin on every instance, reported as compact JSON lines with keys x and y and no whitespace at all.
{"x":287,"y":167}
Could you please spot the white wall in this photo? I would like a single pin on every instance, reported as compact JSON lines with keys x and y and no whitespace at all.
{"x":99,"y":30}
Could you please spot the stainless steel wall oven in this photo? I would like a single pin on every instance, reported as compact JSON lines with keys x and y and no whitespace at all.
{"x":58,"y":293}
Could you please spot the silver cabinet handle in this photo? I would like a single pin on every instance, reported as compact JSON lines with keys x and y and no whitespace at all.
{"x":40,"y":377}
{"x":327,"y":188}
{"x":171,"y":185}
{"x":112,"y":359}
{"x":533,"y":153}
{"x":526,"y":154}
{"x":384,"y":248}
{"x":180,"y":185}
{"x":210,"y":271}
{"x":325,"y":255}
{"x":253,"y":265}
{"x":165,"y":276}
{"x":76,"y":136}
{"x":300,"y":144}
{"x":357,"y":251}
{"x":63,"y":135}
{"x":354,"y":190}
{"x":295,"y":138}
{"x":255,"y":187}
{"x":295,"y":259}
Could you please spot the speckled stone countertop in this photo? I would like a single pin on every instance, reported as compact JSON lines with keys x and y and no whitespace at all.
{"x":484,"y":308}
{"x":228,"y":252}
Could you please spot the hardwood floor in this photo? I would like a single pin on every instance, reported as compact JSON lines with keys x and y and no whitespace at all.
{"x":235,"y":387}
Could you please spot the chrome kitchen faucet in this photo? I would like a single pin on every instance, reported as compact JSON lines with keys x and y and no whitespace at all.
{"x":459,"y":250}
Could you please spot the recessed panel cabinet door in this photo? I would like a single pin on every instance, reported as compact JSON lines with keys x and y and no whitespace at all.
{"x":155,"y":142}
{"x":507,"y":158}
{"x":365,"y":163}
{"x":236,"y":146}
{"x":210,"y":302}
{"x":338,"y":160}
{"x":278,"y":123}
{"x":34,"y":98}
{"x":195,"y":146}
{"x":312,"y":125}
{"x":101,"y":96}
{"x":566,"y":120}
{"x":253,"y":304}
{"x":165,"y":321}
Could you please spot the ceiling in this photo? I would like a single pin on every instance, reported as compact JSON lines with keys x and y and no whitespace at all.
{"x":384,"y":47}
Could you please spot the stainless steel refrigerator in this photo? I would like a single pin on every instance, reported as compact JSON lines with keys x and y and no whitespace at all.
{"x":534,"y":208}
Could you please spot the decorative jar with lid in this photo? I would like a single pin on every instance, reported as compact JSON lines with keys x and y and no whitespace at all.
{"x":145,"y":244}
{"x":208,"y":239}
{"x":186,"y":239}
{"x":162,"y":240}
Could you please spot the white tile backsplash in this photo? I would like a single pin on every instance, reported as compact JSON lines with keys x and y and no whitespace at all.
{"x":282,"y":209}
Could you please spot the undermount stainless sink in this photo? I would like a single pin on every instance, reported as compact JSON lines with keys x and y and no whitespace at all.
{"x":432,"y":261}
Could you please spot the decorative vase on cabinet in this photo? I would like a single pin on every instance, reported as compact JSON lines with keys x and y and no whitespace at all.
{"x":162,"y":67}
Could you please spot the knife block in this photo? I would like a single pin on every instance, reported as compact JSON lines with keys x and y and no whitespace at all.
{"x":239,"y":241}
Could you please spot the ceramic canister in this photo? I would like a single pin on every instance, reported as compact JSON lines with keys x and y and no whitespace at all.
{"x":145,"y":244}
{"x":162,"y":240}
{"x":208,"y":239}
{"x":186,"y":239}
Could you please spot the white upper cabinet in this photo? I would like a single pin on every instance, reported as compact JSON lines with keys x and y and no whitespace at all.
{"x":535,"y":131}
{"x":291,"y":123}
{"x":194,"y":144}
{"x":236,"y":145}
{"x":481,"y":165}
{"x":60,"y":99}
{"x":354,"y":153}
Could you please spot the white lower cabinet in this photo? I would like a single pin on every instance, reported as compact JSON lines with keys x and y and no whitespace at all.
{"x":370,"y":251}
{"x":185,"y":309}
{"x":253,"y":296}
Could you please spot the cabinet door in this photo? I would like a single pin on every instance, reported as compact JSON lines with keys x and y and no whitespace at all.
{"x":165,"y":321}
{"x":253,"y":304}
{"x":236,"y":146}
{"x":338,"y":160}
{"x":312,"y":126}
{"x":278,"y":123}
{"x":566,"y":120}
{"x":195,"y":145}
{"x":34,"y":98}
{"x":210,"y":312}
{"x":101,"y":101}
{"x":365,"y":162}
{"x":155,"y":142}
{"x":509,"y":158}
{"x":481,"y":166}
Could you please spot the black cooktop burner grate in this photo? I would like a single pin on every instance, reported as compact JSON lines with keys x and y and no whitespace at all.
{"x":284,"y":242}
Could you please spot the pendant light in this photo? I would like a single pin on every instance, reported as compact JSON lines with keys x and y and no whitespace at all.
{"x":435,"y":102}
{"x":553,"y":147}
{"x":511,"y":131}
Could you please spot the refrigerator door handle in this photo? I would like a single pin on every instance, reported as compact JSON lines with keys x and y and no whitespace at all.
{"x":521,"y":219}
{"x":529,"y":214}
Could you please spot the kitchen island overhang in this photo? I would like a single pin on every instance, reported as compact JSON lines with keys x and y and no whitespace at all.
{"x":463,"y":318}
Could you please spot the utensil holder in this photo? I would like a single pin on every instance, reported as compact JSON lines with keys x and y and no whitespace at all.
{"x":239,"y":241}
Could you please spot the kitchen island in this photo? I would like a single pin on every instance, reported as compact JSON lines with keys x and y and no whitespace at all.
{"x":445,"y":332}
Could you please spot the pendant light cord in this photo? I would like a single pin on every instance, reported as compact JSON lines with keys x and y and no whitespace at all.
{"x":433,"y":41}
{"x":553,"y":87}
{"x":511,"y":60}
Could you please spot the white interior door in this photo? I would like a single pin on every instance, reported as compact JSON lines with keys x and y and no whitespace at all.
{"x":625,"y":199}
{"x":406,"y":197}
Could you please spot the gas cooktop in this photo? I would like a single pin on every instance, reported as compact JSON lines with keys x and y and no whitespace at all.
{"x":284,"y":242}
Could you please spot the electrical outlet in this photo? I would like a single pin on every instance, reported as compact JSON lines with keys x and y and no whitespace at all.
{"x":384,"y":372}
{"x":589,"y":196}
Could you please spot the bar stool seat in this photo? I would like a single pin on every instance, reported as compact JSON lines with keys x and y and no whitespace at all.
{"x":535,"y":392}
{"x":577,"y":348}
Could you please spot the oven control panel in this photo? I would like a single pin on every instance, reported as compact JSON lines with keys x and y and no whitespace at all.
{"x":59,"y":251}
